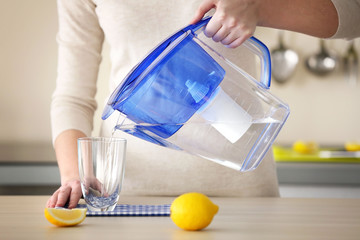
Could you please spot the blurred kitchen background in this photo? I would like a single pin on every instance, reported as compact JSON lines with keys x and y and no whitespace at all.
{"x":324,"y":109}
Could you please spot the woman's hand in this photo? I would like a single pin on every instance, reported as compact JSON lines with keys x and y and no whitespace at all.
{"x":233,"y":22}
{"x":94,"y":187}
{"x":69,"y":192}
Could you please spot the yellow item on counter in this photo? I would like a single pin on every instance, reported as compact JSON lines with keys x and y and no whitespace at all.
{"x":192,"y":211}
{"x":65,"y":217}
{"x":352,"y":146}
{"x":305,"y":147}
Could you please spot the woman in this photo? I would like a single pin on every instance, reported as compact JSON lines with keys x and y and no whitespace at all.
{"x":132,"y":28}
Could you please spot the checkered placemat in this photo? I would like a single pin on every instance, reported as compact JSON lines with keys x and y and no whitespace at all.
{"x":132,"y":210}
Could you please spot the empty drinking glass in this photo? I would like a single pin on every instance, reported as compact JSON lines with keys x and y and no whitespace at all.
{"x":101,"y":169}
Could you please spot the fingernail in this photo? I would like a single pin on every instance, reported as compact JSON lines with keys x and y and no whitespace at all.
{"x":60,"y":208}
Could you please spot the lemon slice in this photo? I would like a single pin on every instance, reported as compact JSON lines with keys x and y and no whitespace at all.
{"x":65,"y":217}
{"x":192,"y":211}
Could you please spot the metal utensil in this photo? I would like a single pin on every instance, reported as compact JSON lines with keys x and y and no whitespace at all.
{"x":284,"y":61}
{"x":351,"y":63}
{"x":323,"y":62}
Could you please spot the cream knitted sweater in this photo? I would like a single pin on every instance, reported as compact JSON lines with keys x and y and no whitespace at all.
{"x":132,"y":29}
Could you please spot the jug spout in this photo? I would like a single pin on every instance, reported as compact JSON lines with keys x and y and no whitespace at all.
{"x":108,"y":110}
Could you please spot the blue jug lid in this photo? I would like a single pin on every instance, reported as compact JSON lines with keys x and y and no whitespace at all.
{"x":132,"y":79}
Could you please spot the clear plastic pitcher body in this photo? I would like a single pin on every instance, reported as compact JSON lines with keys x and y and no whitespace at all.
{"x":188,"y":97}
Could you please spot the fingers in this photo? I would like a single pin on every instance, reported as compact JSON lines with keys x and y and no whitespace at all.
{"x":229,"y":31}
{"x":59,"y":197}
{"x":238,"y":41}
{"x":204,"y":7}
{"x":228,"y":37}
{"x":69,"y":193}
{"x":63,"y":196}
{"x":97,"y":188}
{"x":235,"y":38}
{"x":75,"y":197}
{"x":52,"y":200}
{"x":98,"y":185}
{"x":213,"y":28}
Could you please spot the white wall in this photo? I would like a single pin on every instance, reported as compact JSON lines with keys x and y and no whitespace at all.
{"x":322,"y":109}
{"x":28,"y":68}
{"x":28,"y":58}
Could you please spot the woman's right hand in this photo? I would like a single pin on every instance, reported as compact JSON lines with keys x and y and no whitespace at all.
{"x":233,"y":22}
{"x":69,"y":192}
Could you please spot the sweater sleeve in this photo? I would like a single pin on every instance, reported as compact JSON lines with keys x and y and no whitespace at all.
{"x":349,"y":18}
{"x":80,"y":40}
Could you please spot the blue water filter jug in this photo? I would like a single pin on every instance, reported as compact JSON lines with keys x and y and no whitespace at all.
{"x":186,"y":96}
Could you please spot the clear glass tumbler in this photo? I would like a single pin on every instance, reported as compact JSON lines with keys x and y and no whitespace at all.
{"x":101,"y":169}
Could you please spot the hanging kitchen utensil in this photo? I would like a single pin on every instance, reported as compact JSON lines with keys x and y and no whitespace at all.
{"x":351,"y":65}
{"x":284,"y":61}
{"x":323,"y":62}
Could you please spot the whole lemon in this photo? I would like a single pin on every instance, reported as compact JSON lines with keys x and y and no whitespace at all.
{"x":305,"y":147}
{"x":192,"y":211}
{"x":352,"y":146}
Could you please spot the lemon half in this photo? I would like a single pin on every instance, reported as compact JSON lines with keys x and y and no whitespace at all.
{"x":65,"y":217}
{"x":193,"y":211}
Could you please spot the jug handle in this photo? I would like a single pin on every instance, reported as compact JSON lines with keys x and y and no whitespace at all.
{"x":254,"y":45}
{"x":260,"y":49}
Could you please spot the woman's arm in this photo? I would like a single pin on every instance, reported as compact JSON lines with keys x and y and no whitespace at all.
{"x":80,"y":40}
{"x":235,"y":20}
{"x":316,"y":18}
{"x":67,"y":158}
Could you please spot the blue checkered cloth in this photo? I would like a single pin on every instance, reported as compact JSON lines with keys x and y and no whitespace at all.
{"x":132,"y":210}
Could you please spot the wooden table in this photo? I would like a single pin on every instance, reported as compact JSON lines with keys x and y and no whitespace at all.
{"x":22,"y":217}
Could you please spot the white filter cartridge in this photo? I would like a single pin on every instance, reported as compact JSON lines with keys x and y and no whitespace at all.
{"x":226,"y":116}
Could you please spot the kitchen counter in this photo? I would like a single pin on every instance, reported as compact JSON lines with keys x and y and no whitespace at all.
{"x":238,"y":218}
{"x":318,"y":173}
